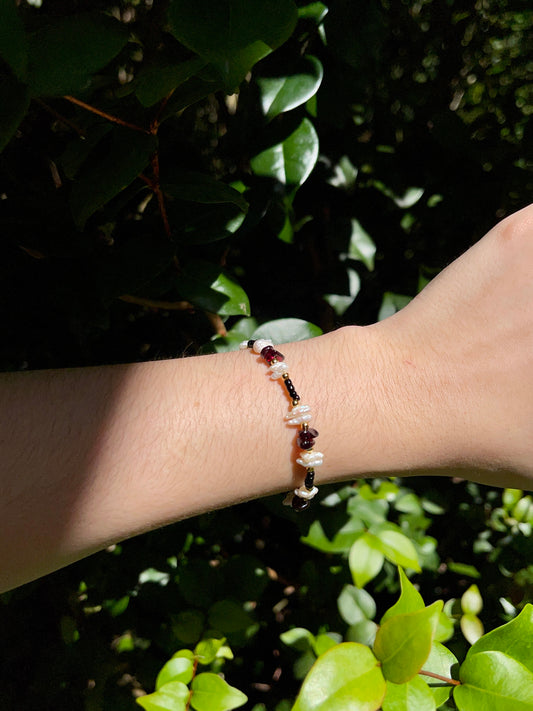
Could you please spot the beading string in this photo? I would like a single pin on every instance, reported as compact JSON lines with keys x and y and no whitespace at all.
{"x":299,"y":415}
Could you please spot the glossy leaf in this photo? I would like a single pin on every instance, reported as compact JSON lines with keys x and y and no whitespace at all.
{"x":65,"y":54}
{"x":341,"y":302}
{"x":202,"y":188}
{"x":206,"y":650}
{"x":365,"y":559}
{"x":361,"y":246}
{"x":514,"y":639}
{"x":440,"y":661}
{"x":356,"y":605}
{"x":341,"y":542}
{"x":363,"y":632}
{"x":14,"y":100}
{"x":413,"y":695}
{"x":13,"y":40}
{"x":283,"y":93}
{"x":157,"y":80}
{"x":410,"y":599}
{"x":291,"y":161}
{"x":170,"y":697}
{"x":211,"y":693}
{"x":176,"y":669}
{"x":493,"y":680}
{"x":471,"y":627}
{"x":287,"y":330}
{"x":113,"y":165}
{"x":299,"y":638}
{"x":346,"y":677}
{"x":403,"y":642}
{"x":210,"y":288}
{"x":232,"y":34}
{"x":471,"y":600}
{"x":397,"y":548}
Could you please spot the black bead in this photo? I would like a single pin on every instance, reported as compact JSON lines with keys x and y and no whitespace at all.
{"x":299,"y":504}
{"x":309,"y":479}
{"x":250,"y":343}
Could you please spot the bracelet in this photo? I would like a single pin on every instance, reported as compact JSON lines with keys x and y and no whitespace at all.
{"x":298,"y":415}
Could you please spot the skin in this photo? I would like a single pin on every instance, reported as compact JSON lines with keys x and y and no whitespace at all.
{"x":445,"y":387}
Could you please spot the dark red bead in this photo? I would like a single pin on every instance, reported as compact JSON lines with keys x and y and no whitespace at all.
{"x":306,"y":440}
{"x":299,"y":504}
{"x":269,"y":354}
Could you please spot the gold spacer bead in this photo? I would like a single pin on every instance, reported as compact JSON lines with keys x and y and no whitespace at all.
{"x":295,"y":403}
{"x":305,"y":426}
{"x":285,"y":376}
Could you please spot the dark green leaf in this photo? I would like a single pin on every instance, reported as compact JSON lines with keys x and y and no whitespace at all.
{"x":13,"y":40}
{"x":211,"y":693}
{"x":440,"y":661}
{"x":14,"y":100}
{"x":210,"y":288}
{"x":111,"y":167}
{"x":283,"y":93}
{"x":157,"y":80}
{"x":403,"y":642}
{"x":347,"y":676}
{"x":232,"y":34}
{"x":65,"y":54}
{"x":202,"y":188}
{"x":227,"y":616}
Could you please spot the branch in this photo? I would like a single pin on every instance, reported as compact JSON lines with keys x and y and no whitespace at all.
{"x":103,"y":114}
{"x":156,"y":304}
{"x":446,"y":679}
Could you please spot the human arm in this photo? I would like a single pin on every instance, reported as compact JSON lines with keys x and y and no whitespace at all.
{"x":92,"y":456}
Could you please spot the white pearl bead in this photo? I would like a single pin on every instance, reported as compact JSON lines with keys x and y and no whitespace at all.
{"x":298,"y":415}
{"x":278,"y":369}
{"x":243,"y":345}
{"x":262,"y":343}
{"x":304,"y":493}
{"x":311,"y":459}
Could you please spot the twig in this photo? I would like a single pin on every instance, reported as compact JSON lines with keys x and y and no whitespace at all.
{"x":453,"y":682}
{"x":156,"y":121}
{"x":103,"y":114}
{"x":156,"y":187}
{"x":61,"y":118}
{"x":156,"y":304}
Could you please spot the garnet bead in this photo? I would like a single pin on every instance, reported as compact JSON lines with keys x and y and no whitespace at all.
{"x":269,"y":354}
{"x":299,"y":504}
{"x":306,"y":439}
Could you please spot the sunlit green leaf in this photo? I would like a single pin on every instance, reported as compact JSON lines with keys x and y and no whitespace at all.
{"x":341,"y":542}
{"x":361,"y":246}
{"x":283,"y":93}
{"x":207,"y":649}
{"x":210,"y":288}
{"x":403,"y":642}
{"x":514,"y":639}
{"x":413,"y":695}
{"x":365,"y":559}
{"x":471,"y":601}
{"x":493,"y":681}
{"x":410,"y":599}
{"x":291,"y":161}
{"x":176,"y":669}
{"x":443,"y":662}
{"x":287,"y":330}
{"x":211,"y":693}
{"x":346,"y":677}
{"x":171,"y":697}
{"x":398,"y":549}
{"x":356,"y":605}
{"x":299,"y":638}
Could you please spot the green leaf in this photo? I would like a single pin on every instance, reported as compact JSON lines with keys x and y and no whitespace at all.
{"x":440,"y":661}
{"x":341,"y":302}
{"x":514,"y":639}
{"x":287,"y":330}
{"x":391,"y":304}
{"x":64,"y":55}
{"x":398,"y":549}
{"x":315,"y":11}
{"x":14,"y":100}
{"x":283,"y":93}
{"x":471,"y":627}
{"x":157,"y":80}
{"x":13,"y":40}
{"x":202,"y":188}
{"x":207,"y":649}
{"x":410,"y":696}
{"x":187,"y":625}
{"x":494,"y":681}
{"x":361,"y":246}
{"x":410,"y":599}
{"x":363,"y":632}
{"x":403,"y":642}
{"x":228,"y":616}
{"x":208,"y":287}
{"x":301,"y":639}
{"x":342,"y":541}
{"x":356,"y":605}
{"x":365,"y":559}
{"x":325,"y":641}
{"x":112,"y":166}
{"x":291,"y":161}
{"x":211,"y":693}
{"x":345,"y":677}
{"x":176,"y":669}
{"x":232,"y":34}
{"x":170,"y":697}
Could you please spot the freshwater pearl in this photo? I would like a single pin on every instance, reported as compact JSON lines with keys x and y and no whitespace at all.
{"x":311,"y":458}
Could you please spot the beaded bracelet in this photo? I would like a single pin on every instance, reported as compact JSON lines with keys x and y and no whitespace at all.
{"x":299,"y":415}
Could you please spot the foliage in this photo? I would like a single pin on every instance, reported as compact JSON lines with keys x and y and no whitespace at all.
{"x":175,"y":177}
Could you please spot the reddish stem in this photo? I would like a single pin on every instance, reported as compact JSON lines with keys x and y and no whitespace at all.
{"x":453,"y":682}
{"x":103,"y":114}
